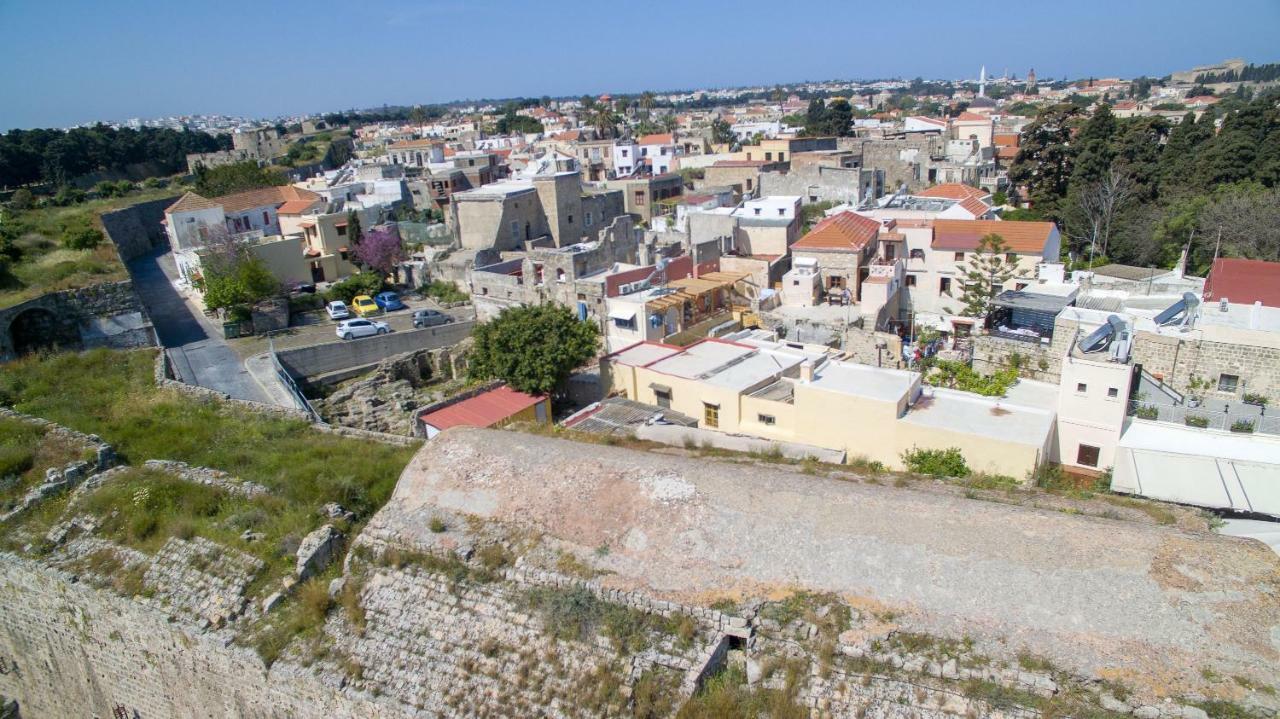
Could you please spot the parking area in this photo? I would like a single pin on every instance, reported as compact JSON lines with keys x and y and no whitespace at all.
{"x":315,"y":327}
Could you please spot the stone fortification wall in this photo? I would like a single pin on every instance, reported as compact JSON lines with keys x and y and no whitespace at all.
{"x":136,"y":230}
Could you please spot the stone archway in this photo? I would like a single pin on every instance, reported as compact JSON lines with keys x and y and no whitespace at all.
{"x":38,"y":329}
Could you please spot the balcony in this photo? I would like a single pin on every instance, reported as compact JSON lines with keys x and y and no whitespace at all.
{"x":1226,"y":416}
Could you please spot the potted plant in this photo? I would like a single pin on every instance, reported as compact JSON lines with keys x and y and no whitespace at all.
{"x":1253,"y":398}
{"x":1243,"y":426}
{"x":1195,"y":390}
{"x":1147,"y":411}
{"x":1195,"y":420}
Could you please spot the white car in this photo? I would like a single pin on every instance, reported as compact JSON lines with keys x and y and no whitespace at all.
{"x":361,"y":328}
{"x":337,"y":310}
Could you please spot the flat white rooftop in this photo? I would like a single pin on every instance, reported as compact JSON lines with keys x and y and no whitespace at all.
{"x":642,"y":354}
{"x":724,"y":364}
{"x":1024,"y":417}
{"x":495,"y":190}
{"x":878,"y":383}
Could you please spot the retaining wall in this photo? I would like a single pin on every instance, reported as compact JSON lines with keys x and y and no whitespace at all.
{"x":366,"y":352}
{"x":136,"y":230}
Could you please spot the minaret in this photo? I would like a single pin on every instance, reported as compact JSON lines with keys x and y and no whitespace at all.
{"x":982,"y":82}
{"x":1031,"y":79}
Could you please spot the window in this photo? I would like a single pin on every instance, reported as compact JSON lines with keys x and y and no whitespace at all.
{"x":1087,"y":455}
{"x":766,"y":419}
{"x":571,"y":219}
{"x":342,"y":254}
{"x":711,"y":414}
{"x":959,"y":257}
{"x":916,"y":254}
{"x":560,"y":276}
{"x":1228,"y":383}
{"x":640,"y":197}
{"x":624,"y":323}
{"x":911,"y":280}
{"x":663,"y":396}
{"x":586,"y":221}
{"x":748,"y":157}
{"x":782,"y":156}
{"x":624,"y":153}
{"x":749,"y":187}
{"x":944,"y":286}
{"x":266,"y":219}
{"x":782,"y":212}
{"x":1081,"y":387}
{"x":768,"y":157}
{"x":757,"y":210}
{"x":342,"y":230}
{"x":1020,"y":286}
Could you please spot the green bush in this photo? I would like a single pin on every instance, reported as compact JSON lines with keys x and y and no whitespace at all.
{"x":1255,"y":398}
{"x":1242,"y":426}
{"x":947,"y":462}
{"x":1146,"y":411}
{"x":81,"y":237}
{"x":445,"y":292}
{"x":68,"y":196}
{"x":15,"y":460}
{"x":361,"y":283}
{"x":22,"y":199}
{"x":305,"y":302}
{"x":958,"y":375}
{"x":1195,"y":420}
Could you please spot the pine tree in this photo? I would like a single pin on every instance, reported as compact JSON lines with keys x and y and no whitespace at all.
{"x":985,"y":276}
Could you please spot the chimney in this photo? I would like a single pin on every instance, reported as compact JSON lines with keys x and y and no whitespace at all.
{"x":806,"y":371}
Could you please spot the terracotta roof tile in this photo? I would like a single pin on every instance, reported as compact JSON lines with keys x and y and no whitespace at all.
{"x":264,"y":196}
{"x":847,"y":231}
{"x":1021,"y":237}
{"x":190,"y":202}
{"x":295,"y":207}
{"x":953,"y":191}
{"x":483,"y":410}
{"x":1244,"y":281}
{"x":976,"y":207}
{"x":665,"y":139}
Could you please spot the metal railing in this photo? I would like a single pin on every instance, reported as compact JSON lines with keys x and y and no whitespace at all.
{"x":1018,"y":337}
{"x":299,"y":398}
{"x":1252,"y":421}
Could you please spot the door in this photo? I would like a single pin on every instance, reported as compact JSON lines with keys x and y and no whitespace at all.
{"x":317,"y":272}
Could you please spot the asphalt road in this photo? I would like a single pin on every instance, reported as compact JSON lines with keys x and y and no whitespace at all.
{"x":200,"y":355}
{"x":315,"y":327}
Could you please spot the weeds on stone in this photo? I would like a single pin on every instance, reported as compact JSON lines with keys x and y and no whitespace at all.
{"x":577,"y":614}
{"x":727,"y":696}
{"x":437,"y":525}
{"x":1034,"y":662}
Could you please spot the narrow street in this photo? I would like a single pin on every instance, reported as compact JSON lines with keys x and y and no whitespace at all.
{"x":199,"y":353}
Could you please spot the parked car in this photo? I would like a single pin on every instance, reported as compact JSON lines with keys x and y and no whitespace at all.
{"x":337,"y":310}
{"x":364,"y":306}
{"x":350,"y":329}
{"x":430,"y":318}
{"x":388,"y":301}
{"x":302,"y":288}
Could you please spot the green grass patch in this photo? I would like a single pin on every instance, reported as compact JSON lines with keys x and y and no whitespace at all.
{"x":576,"y":614}
{"x":26,"y":451}
{"x":727,"y":696}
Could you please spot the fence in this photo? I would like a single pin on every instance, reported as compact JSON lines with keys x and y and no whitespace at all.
{"x":1235,"y":419}
{"x":298,"y":397}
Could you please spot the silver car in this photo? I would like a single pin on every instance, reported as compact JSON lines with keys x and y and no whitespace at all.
{"x":351,"y":329}
{"x":337,"y":310}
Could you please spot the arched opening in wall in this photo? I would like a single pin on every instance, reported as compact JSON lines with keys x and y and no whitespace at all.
{"x":38,"y":329}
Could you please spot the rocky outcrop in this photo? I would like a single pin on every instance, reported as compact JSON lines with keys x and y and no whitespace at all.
{"x":385,"y":399}
{"x":317,"y":550}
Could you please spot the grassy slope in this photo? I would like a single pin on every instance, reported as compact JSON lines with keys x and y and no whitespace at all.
{"x":111,"y":394}
{"x":46,"y":267}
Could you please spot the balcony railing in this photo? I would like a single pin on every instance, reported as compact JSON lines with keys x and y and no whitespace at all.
{"x":1252,"y":420}
{"x":1030,"y":336}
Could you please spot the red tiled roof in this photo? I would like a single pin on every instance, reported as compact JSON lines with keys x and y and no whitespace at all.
{"x":1006,"y":153}
{"x":295,"y":207}
{"x":847,"y":231}
{"x":976,"y":207}
{"x":953,"y":191}
{"x":412,"y":144}
{"x":483,"y":410}
{"x":1244,"y":281}
{"x":972,"y":117}
{"x":1005,"y":139}
{"x":1020,"y":237}
{"x":264,"y":196}
{"x":665,"y":139}
{"x":190,"y":202}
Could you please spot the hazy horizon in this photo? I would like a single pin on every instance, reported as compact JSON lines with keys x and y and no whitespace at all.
{"x":156,"y":59}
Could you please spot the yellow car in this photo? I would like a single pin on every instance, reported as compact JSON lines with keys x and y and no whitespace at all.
{"x":365,"y":306}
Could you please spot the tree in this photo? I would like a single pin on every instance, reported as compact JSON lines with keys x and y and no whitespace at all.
{"x":987,"y":271}
{"x":839,"y":119}
{"x":533,"y":348}
{"x":381,"y":250}
{"x":1045,"y":160}
{"x":722,"y":132}
{"x":22,"y":199}
{"x":232,"y":275}
{"x":1100,"y":202}
{"x":354,"y":231}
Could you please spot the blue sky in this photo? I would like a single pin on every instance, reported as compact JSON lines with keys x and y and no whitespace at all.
{"x":70,"y":61}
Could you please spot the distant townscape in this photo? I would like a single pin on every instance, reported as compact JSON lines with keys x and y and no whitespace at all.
{"x":886,"y":398}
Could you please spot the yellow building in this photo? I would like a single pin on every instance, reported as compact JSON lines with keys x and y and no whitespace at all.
{"x":750,"y":384}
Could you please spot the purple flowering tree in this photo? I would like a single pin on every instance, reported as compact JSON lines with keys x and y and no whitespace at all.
{"x":380,"y":250}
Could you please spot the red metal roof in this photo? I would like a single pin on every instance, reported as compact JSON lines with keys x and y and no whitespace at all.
{"x":1243,"y":281}
{"x":483,"y":410}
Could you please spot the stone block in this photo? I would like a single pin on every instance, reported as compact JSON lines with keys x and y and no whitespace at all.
{"x":317,"y":550}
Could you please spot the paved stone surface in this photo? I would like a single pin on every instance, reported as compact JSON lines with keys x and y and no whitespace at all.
{"x":1096,"y":595}
{"x":200,"y":355}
